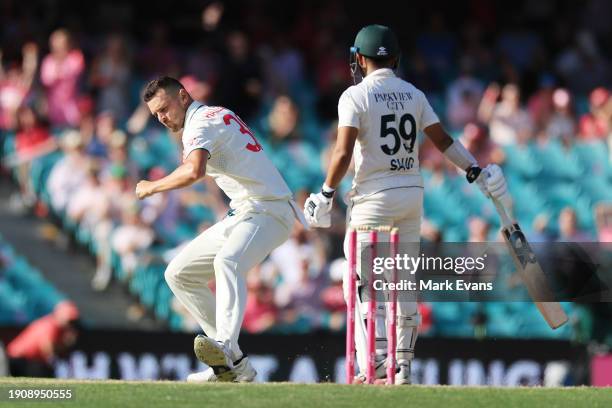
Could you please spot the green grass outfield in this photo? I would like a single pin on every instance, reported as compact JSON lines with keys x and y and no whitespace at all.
{"x":181,"y":395}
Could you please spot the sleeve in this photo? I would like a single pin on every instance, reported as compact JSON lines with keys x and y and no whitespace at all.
{"x":199,"y":135}
{"x":428,"y":116}
{"x":348,"y":112}
{"x":48,"y":72}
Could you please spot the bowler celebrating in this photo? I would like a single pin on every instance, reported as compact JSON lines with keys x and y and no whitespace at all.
{"x":378,"y":121}
{"x":218,"y":143}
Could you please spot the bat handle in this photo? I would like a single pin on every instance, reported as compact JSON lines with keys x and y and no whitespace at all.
{"x":506,"y":221}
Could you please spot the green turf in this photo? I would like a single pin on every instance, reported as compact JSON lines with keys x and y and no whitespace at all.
{"x":182,"y":395}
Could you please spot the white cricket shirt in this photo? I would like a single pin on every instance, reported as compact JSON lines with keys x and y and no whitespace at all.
{"x":388,"y":112}
{"x":237,"y":163}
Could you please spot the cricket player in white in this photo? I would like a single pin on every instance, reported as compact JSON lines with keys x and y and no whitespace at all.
{"x":216,"y":142}
{"x":378,"y":121}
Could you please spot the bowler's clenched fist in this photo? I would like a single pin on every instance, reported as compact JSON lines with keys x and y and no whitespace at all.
{"x":144,"y":189}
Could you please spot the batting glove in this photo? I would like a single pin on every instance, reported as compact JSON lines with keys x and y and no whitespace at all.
{"x":491,"y":182}
{"x":317,"y":210}
{"x":479,"y":176}
{"x":496,"y":185}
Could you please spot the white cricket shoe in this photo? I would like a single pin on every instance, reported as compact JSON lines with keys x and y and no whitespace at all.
{"x":207,"y":375}
{"x":244,"y":370}
{"x":403,"y":374}
{"x":216,"y":356}
{"x":381,"y":373}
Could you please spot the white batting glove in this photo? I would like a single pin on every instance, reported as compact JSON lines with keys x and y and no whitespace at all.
{"x":496,"y":185}
{"x":317,"y":210}
{"x":492,"y":183}
{"x":481,"y":181}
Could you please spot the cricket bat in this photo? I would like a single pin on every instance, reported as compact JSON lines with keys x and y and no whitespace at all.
{"x":529,"y":269}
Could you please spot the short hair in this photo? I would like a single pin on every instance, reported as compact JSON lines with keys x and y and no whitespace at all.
{"x":164,"y":82}
{"x":384,"y":62}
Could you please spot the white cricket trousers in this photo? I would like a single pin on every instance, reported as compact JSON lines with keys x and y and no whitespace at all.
{"x":225,"y":252}
{"x":396,"y":207}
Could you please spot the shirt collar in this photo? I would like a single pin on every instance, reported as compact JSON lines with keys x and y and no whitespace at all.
{"x":382,"y":73}
{"x":191,"y":110}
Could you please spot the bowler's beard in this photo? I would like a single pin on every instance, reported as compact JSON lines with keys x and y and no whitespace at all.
{"x":174,"y":128}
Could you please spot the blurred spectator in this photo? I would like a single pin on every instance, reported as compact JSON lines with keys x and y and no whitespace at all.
{"x":430,"y":231}
{"x":211,"y":16}
{"x":15,"y":85}
{"x":118,"y":188}
{"x":32,"y":140}
{"x":540,"y":231}
{"x":562,"y":124}
{"x":478,"y":230}
{"x":99,"y":141}
{"x":110,"y":76}
{"x":596,"y":123}
{"x":131,"y":238}
{"x":568,"y":227}
{"x":463,"y":97}
{"x":475,"y":139}
{"x":581,"y":65}
{"x":33,"y":352}
{"x":204,"y":64}
{"x":199,"y":90}
{"x":437,"y":45}
{"x":60,"y":73}
{"x":283,"y":121}
{"x":260,"y":313}
{"x":420,"y":74}
{"x":286,"y":262}
{"x":475,"y":50}
{"x":89,"y":204}
{"x":518,"y":44}
{"x":603,"y":220}
{"x":285,"y":66}
{"x":283,"y":132}
{"x":427,"y":318}
{"x":540,"y":104}
{"x":301,"y":294}
{"x":161,"y":211}
{"x":69,"y":173}
{"x":332,"y":74}
{"x":158,"y":57}
{"x":333,"y":295}
{"x":509,"y":122}
{"x":118,"y":156}
{"x":240,"y":87}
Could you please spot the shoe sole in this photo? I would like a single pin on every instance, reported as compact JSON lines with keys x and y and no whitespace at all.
{"x":207,"y":351}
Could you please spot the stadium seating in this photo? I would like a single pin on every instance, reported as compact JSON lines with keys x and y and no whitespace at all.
{"x":542,"y":178}
{"x":25,"y":294}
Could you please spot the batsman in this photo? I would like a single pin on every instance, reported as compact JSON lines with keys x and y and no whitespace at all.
{"x":378,"y":121}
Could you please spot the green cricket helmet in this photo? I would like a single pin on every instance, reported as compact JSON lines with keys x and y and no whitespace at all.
{"x":374,"y":41}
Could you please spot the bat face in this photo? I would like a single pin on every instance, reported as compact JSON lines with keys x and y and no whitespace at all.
{"x":533,"y":276}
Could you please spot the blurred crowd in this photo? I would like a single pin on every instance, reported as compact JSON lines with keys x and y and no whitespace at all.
{"x":76,"y":138}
